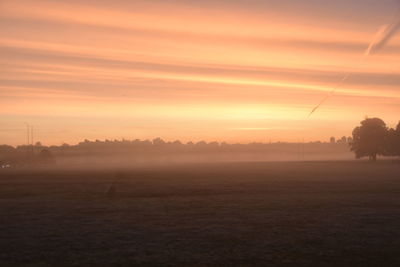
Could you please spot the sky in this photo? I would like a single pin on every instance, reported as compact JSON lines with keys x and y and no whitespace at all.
{"x":229,"y":70}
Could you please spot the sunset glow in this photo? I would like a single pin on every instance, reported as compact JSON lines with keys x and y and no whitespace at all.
{"x":235,"y":71}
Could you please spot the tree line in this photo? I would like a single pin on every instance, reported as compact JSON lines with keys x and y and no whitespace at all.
{"x":137,"y":150}
{"x":373,"y":138}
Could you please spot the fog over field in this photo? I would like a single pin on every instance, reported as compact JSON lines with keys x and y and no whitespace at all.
{"x":238,"y":214}
{"x":160,"y":156}
{"x":136,"y":153}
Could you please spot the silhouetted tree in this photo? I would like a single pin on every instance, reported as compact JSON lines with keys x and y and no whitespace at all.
{"x":201,"y":143}
{"x":158,"y":142}
{"x":369,"y":138}
{"x":190,"y":144}
{"x":390,"y":143}
{"x":342,"y":140}
{"x":46,"y":157}
{"x":177,"y":143}
{"x":6,"y":149}
{"x":394,"y":141}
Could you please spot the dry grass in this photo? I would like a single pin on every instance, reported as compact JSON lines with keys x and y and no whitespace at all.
{"x":247,"y":214}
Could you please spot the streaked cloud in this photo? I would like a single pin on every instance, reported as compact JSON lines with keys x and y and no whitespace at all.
{"x":235,"y":61}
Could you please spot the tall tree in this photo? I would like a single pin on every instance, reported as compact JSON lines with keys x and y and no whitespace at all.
{"x":396,"y":144}
{"x":392,"y":142}
{"x":369,"y":139}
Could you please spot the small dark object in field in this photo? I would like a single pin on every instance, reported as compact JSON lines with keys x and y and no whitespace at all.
{"x":112,"y":190}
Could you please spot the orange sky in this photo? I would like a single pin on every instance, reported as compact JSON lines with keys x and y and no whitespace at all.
{"x":236,"y":71}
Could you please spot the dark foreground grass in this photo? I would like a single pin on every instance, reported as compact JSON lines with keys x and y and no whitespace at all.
{"x":242,"y":214}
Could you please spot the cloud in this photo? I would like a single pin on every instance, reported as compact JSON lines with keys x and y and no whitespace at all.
{"x":201,"y":59}
{"x":385,"y":34}
{"x":74,"y":68}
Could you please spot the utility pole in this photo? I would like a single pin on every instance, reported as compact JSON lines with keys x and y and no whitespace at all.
{"x":32,"y":139}
{"x":27,"y":134}
{"x":27,"y":140}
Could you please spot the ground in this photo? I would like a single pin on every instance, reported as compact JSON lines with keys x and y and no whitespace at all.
{"x":240,"y":214}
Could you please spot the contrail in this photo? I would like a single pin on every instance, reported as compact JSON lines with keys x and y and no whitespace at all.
{"x":381,"y":39}
{"x":345,"y":77}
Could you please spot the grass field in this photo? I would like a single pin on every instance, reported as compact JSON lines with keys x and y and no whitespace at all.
{"x":241,"y":214}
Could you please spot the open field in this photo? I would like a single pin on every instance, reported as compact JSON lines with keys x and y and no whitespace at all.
{"x":247,"y":214}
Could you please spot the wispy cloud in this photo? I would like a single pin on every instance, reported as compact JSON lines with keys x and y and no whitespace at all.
{"x":234,"y":60}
